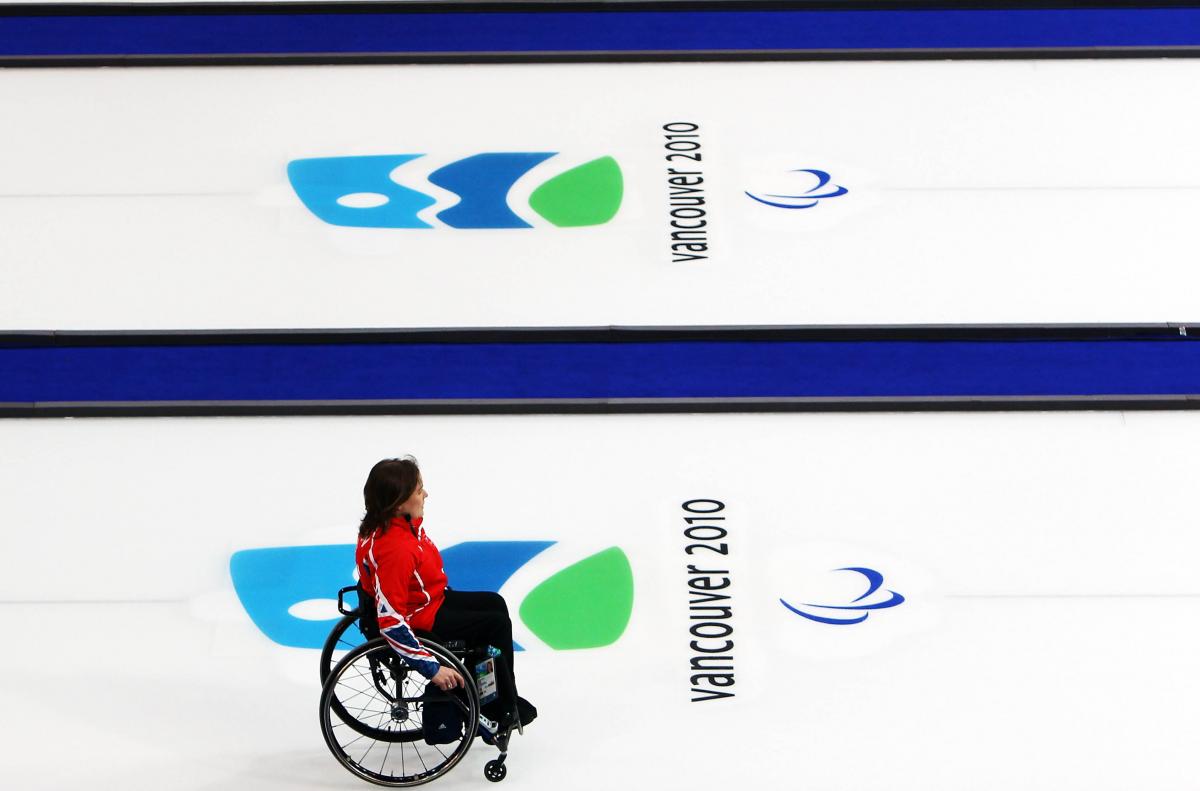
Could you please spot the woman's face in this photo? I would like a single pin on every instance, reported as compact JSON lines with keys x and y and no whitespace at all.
{"x":414,"y":506}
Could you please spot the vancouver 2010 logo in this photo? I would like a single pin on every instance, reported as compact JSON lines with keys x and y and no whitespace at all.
{"x":288,"y":591}
{"x":475,"y":192}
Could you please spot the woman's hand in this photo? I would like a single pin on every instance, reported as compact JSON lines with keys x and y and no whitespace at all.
{"x":447,"y":679}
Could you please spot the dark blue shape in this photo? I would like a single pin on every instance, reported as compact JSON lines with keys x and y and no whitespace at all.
{"x":874,"y":580}
{"x":823,"y":178}
{"x":894,"y":600}
{"x":483,"y":181}
{"x":819,"y":619}
{"x":231,"y":33}
{"x":269,"y":581}
{"x":675,"y":369}
{"x":487,"y":565}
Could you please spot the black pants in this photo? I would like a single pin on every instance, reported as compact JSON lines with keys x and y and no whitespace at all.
{"x":482,"y":618}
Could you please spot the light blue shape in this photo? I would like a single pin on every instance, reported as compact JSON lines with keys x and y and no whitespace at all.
{"x":483,"y":182}
{"x":269,"y":581}
{"x":320,"y":182}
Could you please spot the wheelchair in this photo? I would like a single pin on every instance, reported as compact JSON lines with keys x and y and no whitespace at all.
{"x":373,"y":705}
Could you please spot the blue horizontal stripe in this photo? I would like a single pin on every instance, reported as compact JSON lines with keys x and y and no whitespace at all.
{"x":631,"y":31}
{"x":666,"y":370}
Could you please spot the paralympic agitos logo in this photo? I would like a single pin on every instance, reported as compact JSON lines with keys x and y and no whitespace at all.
{"x":288,"y":591}
{"x":480,"y":191}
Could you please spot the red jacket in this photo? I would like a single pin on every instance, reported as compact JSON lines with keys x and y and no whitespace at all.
{"x":403,"y":569}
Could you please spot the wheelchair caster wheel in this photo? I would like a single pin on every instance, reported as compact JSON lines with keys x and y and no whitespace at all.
{"x":494,"y":771}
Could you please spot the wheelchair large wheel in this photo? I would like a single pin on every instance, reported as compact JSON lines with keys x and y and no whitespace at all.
{"x":371,"y":716}
{"x":344,"y":636}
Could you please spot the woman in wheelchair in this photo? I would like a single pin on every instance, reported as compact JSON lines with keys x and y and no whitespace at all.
{"x":400,"y":565}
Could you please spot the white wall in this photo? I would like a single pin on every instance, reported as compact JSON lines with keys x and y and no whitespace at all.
{"x":1045,"y":641}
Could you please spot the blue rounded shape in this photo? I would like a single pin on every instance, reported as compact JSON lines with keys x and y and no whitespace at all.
{"x":483,"y":182}
{"x":321,"y":183}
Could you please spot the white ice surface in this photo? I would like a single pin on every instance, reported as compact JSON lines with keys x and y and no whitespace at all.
{"x":1047,"y":642}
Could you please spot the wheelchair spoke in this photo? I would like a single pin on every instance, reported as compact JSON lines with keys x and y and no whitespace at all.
{"x":373,"y":713}
{"x":364,"y":708}
{"x":365,"y":677}
{"x":352,"y":741}
{"x":375,"y":698}
{"x":362,"y":699}
{"x":424,"y":765}
{"x":368,"y":752}
{"x":350,"y":692}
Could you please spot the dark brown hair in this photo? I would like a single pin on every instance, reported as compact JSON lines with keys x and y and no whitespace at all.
{"x":389,"y":484}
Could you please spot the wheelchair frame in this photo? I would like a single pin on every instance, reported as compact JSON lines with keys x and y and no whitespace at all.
{"x":371,"y":697}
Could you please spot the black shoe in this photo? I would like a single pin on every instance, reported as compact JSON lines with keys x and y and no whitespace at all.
{"x":527,"y":711}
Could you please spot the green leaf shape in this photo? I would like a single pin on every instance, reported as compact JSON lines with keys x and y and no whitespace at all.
{"x":586,"y":195}
{"x":586,"y":605}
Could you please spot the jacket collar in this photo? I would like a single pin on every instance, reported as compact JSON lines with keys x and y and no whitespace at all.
{"x":413,"y":526}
